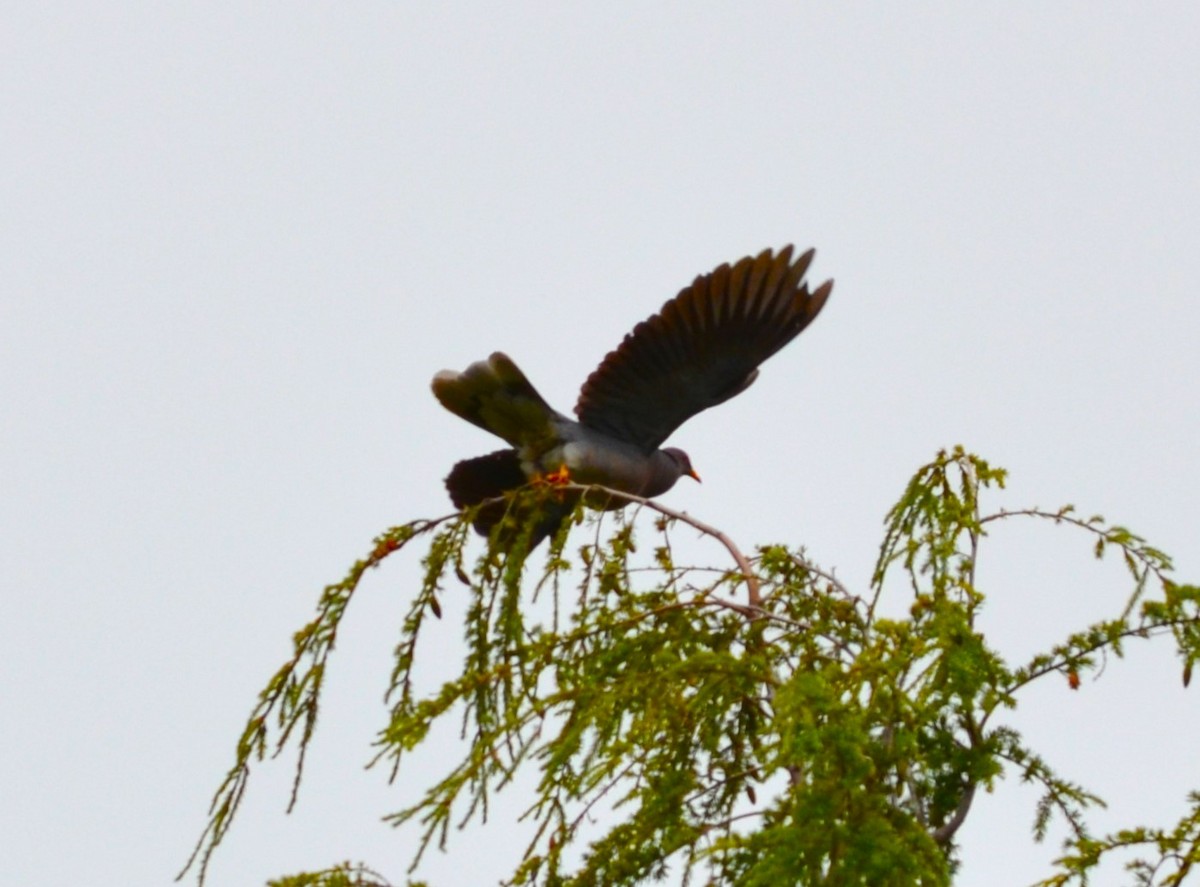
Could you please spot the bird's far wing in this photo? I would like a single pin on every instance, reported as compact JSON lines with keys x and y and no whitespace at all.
{"x":495,"y":395}
{"x":701,"y":349}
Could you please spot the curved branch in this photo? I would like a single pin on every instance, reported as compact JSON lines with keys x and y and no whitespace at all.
{"x":946,"y":831}
{"x":753,"y":588}
{"x":1154,"y":561}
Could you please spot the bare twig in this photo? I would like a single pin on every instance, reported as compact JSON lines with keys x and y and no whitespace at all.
{"x":753,"y":589}
{"x":944,"y":833}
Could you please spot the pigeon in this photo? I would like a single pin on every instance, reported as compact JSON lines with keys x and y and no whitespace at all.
{"x":701,"y":349}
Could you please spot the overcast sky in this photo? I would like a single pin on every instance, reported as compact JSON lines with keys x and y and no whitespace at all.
{"x":239,"y":239}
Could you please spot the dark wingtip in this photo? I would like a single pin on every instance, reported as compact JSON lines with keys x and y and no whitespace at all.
{"x":817,"y":300}
{"x":472,"y":481}
{"x":475,"y":481}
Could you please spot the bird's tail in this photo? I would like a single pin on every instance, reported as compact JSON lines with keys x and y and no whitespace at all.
{"x":495,"y":395}
{"x":491,"y":477}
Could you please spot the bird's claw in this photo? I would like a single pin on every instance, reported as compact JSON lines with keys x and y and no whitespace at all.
{"x":558,"y":478}
{"x":552,"y":482}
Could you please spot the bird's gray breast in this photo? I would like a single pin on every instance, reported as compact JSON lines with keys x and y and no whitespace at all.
{"x":595,"y":458}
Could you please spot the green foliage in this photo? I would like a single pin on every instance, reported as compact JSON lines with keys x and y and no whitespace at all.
{"x":343,"y":875}
{"x":759,"y":725}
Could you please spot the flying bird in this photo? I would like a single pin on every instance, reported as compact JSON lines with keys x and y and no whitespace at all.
{"x":701,"y":349}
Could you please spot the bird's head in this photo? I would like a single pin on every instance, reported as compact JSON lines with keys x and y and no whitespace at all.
{"x":680,"y":458}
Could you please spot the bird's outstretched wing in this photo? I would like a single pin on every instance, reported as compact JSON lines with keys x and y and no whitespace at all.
{"x":486,"y":479}
{"x":701,"y":349}
{"x":495,"y":395}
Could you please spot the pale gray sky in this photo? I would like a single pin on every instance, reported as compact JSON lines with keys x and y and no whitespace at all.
{"x":238,"y":240}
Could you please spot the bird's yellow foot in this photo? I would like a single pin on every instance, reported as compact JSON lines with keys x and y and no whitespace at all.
{"x":553,"y":482}
{"x":557,"y":478}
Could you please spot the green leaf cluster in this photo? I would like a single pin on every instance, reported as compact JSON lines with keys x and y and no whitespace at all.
{"x":757,"y":723}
